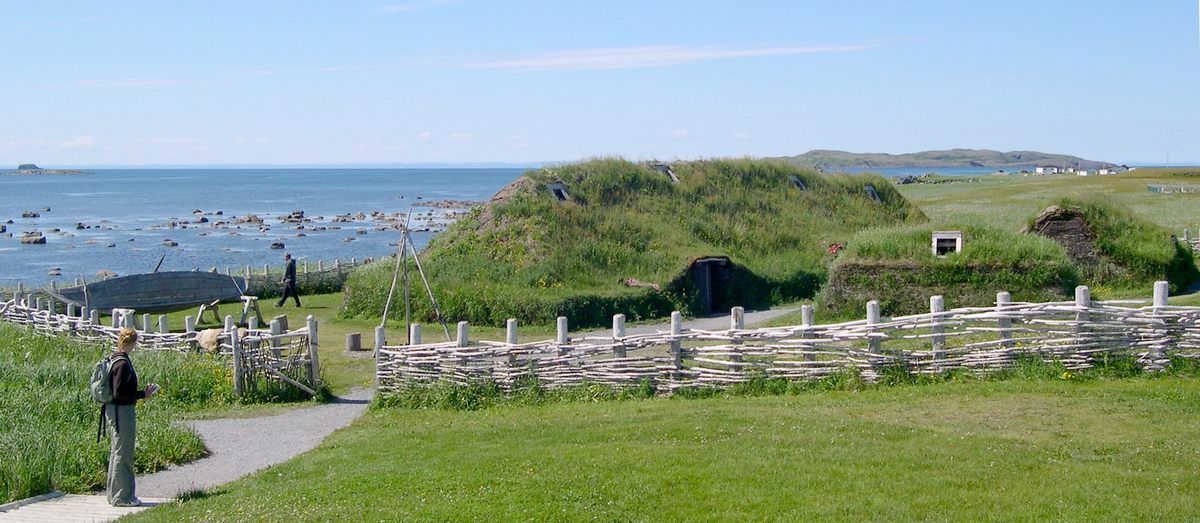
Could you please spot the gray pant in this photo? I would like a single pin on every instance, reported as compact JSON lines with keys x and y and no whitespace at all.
{"x":120,"y":456}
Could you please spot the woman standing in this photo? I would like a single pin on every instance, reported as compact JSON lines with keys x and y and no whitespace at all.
{"x":122,"y":420}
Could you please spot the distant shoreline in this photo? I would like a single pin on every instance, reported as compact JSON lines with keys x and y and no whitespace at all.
{"x":44,"y":172}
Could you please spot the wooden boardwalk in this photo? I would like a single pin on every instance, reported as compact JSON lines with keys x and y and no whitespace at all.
{"x":57,"y":507}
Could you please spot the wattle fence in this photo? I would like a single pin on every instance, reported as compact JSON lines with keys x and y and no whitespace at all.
{"x":976,"y":339}
{"x":256,"y":356}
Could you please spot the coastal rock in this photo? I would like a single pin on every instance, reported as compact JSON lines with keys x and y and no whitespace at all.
{"x":105,"y":274}
{"x":294,"y":217}
{"x":28,"y":167}
{"x":30,"y":214}
{"x":33,"y":238}
{"x":277,"y":245}
{"x":111,"y":245}
{"x":54,"y":272}
{"x":3,"y":228}
{"x":80,"y":226}
{"x":167,"y":242}
{"x":360,"y":231}
{"x":201,"y":220}
{"x":348,"y":239}
{"x":249,"y":218}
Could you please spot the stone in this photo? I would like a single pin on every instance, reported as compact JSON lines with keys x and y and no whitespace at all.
{"x":30,"y":214}
{"x":170,"y":243}
{"x":33,"y":238}
{"x":277,"y":245}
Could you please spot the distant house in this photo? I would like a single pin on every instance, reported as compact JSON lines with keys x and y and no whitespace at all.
{"x":1070,"y":169}
{"x":1082,"y":173}
{"x":1046,"y":169}
{"x":1105,"y":172}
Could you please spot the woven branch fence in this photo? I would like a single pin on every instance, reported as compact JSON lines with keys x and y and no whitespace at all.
{"x":256,"y":356}
{"x":975,"y":339}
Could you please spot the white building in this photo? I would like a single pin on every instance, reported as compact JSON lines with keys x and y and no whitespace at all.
{"x":1081,"y":173}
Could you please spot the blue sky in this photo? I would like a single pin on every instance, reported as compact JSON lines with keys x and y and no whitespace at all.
{"x":460,"y":81}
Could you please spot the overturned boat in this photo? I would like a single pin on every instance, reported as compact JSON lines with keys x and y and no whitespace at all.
{"x":154,"y":292}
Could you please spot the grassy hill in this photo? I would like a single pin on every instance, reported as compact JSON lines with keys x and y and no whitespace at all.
{"x":949,"y":158}
{"x":530,"y":256}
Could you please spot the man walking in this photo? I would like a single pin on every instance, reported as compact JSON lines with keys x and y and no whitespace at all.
{"x":289,"y":281}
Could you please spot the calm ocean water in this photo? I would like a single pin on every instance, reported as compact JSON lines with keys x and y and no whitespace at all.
{"x":129,"y":208}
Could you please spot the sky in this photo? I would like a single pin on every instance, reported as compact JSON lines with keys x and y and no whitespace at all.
{"x":494,"y":81}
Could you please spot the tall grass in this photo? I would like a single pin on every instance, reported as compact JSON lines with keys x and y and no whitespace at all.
{"x":48,"y":420}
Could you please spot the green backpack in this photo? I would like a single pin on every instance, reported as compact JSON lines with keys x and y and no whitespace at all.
{"x":100,"y":385}
{"x":101,"y":382}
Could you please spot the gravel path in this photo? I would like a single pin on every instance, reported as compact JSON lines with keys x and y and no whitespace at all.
{"x":239,"y":447}
{"x":715,"y":322}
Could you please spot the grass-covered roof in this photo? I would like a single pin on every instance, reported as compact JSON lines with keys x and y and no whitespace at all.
{"x":529,"y":255}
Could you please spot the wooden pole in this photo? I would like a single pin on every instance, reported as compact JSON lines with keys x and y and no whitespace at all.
{"x":162,"y":324}
{"x":314,"y":368}
{"x":562,"y":336}
{"x":414,"y":334}
{"x":737,"y":318}
{"x":806,"y":322}
{"x":463,"y":341}
{"x":232,"y":332}
{"x":937,"y":306}
{"x":1003,"y":299}
{"x":618,"y":332}
{"x":510,"y":331}
{"x":1083,"y":300}
{"x":874,"y":343}
{"x":676,"y":345}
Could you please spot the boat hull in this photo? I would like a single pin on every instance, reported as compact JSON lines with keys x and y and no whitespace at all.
{"x":155,"y":292}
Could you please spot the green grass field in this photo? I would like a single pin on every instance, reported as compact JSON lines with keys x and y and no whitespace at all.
{"x":1100,"y":449}
{"x":1007,"y":201}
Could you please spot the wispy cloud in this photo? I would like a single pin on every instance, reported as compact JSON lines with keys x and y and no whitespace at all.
{"x":135,"y":82}
{"x":410,"y":6}
{"x":610,"y":58}
{"x":650,"y":56}
{"x":172,"y":141}
{"x":424,"y":136}
{"x":84,"y":141}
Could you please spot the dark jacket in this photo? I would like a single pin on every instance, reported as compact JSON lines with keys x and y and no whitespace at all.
{"x":289,"y":273}
{"x":125,"y":383}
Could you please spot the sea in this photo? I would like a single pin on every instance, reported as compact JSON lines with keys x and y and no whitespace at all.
{"x":126,"y":216}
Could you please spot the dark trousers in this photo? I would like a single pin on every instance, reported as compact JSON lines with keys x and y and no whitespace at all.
{"x":289,"y":289}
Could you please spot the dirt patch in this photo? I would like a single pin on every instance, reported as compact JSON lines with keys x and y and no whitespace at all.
{"x":1070,"y":229}
{"x":487,"y":215}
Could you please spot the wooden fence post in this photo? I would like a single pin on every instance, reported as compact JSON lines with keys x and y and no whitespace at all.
{"x":189,"y":324}
{"x":462,"y":336}
{"x":737,"y":321}
{"x":94,"y":317}
{"x":314,"y":366}
{"x":276,"y":329}
{"x":874,"y":343}
{"x":146,"y":323}
{"x":1158,"y":350}
{"x":676,"y":345}
{"x":380,"y":337}
{"x":806,"y":322}
{"x":1083,"y":300}
{"x":162,"y":324}
{"x":510,"y":331}
{"x":562,"y":336}
{"x":414,"y":334}
{"x":1004,"y":299}
{"x":937,"y":306}
{"x":232,"y":332}
{"x":618,"y":332}
{"x":1161,"y":293}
